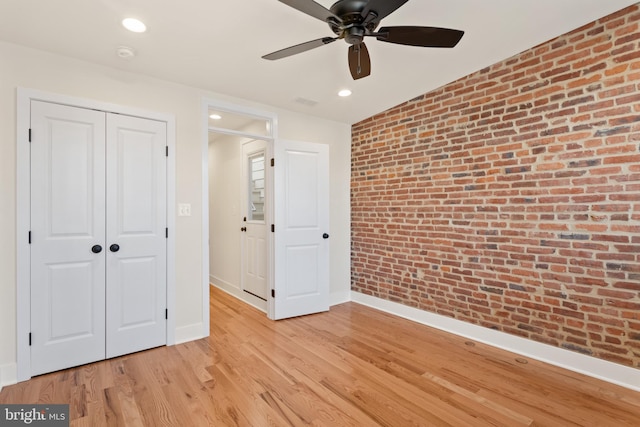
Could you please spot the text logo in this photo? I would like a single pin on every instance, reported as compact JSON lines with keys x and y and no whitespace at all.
{"x":34,"y":415}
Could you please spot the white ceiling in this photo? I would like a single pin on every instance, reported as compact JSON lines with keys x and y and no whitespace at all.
{"x":217,"y":45}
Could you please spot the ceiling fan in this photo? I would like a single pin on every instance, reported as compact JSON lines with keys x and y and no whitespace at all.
{"x":353,"y":20}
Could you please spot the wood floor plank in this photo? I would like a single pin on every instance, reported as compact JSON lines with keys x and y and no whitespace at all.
{"x":121,"y":397}
{"x":114,"y":410}
{"x":352,"y":366}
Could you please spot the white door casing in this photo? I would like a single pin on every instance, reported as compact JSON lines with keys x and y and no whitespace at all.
{"x":67,"y":220}
{"x":298,"y":255}
{"x":24,"y":135}
{"x":99,"y":235}
{"x":255,"y":211}
{"x":136,"y":247}
{"x":302,"y":228}
{"x":267,"y":132}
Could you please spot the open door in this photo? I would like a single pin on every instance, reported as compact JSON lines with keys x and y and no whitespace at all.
{"x":301,"y":229}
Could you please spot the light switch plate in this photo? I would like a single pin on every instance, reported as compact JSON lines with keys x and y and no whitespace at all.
{"x":184,"y":209}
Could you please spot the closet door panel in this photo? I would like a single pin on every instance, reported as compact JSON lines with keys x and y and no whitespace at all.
{"x":67,"y":236}
{"x":136,"y":234}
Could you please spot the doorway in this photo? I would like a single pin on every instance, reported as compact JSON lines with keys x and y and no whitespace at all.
{"x":295,"y":213}
{"x":240,"y":243}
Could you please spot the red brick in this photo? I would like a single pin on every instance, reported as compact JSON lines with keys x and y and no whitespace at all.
{"x":508,"y":198}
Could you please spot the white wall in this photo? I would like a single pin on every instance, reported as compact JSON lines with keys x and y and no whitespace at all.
{"x":225,"y":171}
{"x":23,"y":67}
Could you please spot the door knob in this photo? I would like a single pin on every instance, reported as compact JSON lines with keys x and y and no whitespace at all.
{"x":243,"y":229}
{"x":96,"y":249}
{"x":114,"y":248}
{"x":325,"y":236}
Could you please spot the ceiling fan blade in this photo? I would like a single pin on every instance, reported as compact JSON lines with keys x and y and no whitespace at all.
{"x":299,"y":48}
{"x":359,"y":61}
{"x":420,"y":36}
{"x":312,"y":8}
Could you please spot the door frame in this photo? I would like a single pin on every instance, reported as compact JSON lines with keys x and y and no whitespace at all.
{"x":23,"y":209}
{"x":271,"y":140}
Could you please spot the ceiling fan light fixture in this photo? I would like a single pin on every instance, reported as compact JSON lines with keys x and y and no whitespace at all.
{"x":215,"y":116}
{"x":344,"y":93}
{"x":134,"y":25}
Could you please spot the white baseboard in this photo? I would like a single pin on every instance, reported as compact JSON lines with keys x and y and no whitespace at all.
{"x":601,"y":369}
{"x":189,"y":333}
{"x":335,"y":298}
{"x":8,"y":374}
{"x":238,"y":293}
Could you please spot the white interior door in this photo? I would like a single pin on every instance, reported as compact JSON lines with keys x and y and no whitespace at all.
{"x":302,"y":226}
{"x":136,"y":244}
{"x":98,"y":235}
{"x":67,"y":236}
{"x":254,"y":247}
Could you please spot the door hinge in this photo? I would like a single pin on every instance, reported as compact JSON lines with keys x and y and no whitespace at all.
{"x":29,"y":134}
{"x":273,"y":293}
{"x":29,"y":338}
{"x":29,"y":236}
{"x":273,"y":228}
{"x":273,"y":162}
{"x":166,"y":151}
{"x":166,"y":233}
{"x":166,"y":313}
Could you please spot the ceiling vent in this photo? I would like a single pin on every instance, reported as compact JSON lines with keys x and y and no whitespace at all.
{"x":307,"y":102}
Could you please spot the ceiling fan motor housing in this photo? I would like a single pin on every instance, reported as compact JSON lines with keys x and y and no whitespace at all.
{"x":354,"y":35}
{"x":353,"y":26}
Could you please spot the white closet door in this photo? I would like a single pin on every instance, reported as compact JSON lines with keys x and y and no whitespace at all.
{"x":136,"y":245}
{"x":67,"y":221}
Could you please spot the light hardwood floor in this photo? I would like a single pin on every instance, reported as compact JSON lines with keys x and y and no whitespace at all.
{"x":352,"y":366}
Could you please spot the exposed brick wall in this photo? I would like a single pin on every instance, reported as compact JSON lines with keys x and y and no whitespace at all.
{"x":511,"y":198}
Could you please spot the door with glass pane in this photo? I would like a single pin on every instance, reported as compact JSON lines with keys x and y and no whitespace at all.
{"x":254,"y":221}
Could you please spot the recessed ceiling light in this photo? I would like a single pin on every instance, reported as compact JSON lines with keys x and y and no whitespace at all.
{"x":134,"y":25}
{"x":215,"y":116}
{"x":344,"y":92}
